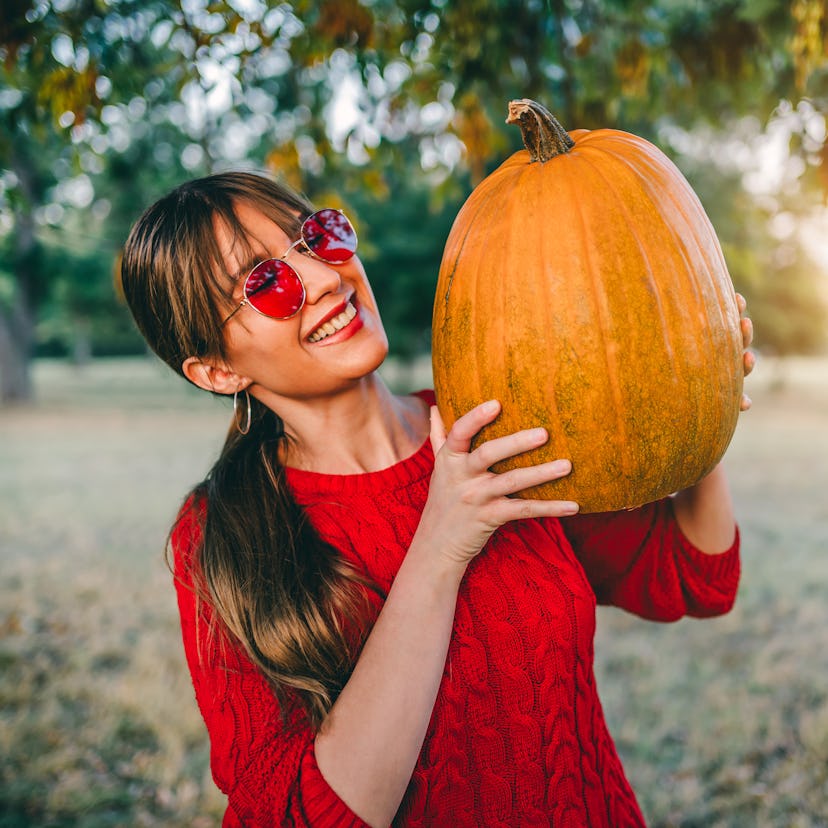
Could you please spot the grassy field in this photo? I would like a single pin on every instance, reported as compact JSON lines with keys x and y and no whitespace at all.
{"x":720,"y":723}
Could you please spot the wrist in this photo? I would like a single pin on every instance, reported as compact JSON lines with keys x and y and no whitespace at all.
{"x":433,"y":566}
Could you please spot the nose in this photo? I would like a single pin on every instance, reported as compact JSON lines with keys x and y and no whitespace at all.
{"x":319,"y":278}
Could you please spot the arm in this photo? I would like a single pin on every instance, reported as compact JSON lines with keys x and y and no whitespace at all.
{"x":705,"y":511}
{"x":369,"y":744}
{"x":675,"y":557}
{"x":641,"y":561}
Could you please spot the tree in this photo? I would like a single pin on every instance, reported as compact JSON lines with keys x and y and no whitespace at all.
{"x":351,"y":96}
{"x":61,"y":64}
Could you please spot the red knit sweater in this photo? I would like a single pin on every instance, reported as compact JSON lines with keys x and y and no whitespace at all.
{"x":517,"y":736}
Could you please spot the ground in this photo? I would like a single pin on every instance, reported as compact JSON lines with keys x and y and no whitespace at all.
{"x":720,"y":723}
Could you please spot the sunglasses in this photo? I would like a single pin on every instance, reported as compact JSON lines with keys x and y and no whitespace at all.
{"x":274,"y":288}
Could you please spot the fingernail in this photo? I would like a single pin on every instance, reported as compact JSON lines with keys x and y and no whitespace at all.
{"x":539,"y":434}
{"x":490,"y":406}
{"x":569,"y":508}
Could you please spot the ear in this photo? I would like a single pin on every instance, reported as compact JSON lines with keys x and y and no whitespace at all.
{"x":213,"y":376}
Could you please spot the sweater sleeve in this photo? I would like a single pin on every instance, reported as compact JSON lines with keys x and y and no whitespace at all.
{"x":640,"y":561}
{"x":265,"y":765}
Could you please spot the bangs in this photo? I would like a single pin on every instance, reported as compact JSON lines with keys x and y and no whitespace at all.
{"x":208,"y":284}
{"x":212,"y":263}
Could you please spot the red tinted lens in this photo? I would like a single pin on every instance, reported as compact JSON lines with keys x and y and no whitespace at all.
{"x":275,"y":289}
{"x":329,"y":235}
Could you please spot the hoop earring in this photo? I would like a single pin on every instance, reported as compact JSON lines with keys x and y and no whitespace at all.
{"x":246,"y":428}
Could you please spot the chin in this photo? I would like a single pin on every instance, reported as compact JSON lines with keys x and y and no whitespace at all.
{"x":371,"y":360}
{"x":378,"y":359}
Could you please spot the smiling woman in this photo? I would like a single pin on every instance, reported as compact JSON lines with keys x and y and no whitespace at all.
{"x":378,"y":630}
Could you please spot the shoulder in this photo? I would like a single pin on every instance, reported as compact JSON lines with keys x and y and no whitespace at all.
{"x":427,"y":395}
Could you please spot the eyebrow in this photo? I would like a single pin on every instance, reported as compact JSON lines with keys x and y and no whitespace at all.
{"x":248,"y":265}
{"x":251,"y":261}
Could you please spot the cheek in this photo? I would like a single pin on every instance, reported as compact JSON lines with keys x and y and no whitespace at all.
{"x":354,"y":274}
{"x":257,"y":335}
{"x":366,"y":298}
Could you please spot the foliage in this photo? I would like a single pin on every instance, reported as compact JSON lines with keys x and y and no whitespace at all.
{"x":104,"y":105}
{"x":401,"y":246}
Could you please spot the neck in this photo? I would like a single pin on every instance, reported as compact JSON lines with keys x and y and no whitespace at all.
{"x":361,"y":429}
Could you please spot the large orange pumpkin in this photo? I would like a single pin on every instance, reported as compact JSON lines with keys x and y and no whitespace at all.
{"x":583,"y":286}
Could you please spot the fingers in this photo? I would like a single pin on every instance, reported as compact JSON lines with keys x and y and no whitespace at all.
{"x":516,"y":480}
{"x":466,"y":500}
{"x":516,"y":509}
{"x":745,"y":322}
{"x":493,"y":451}
{"x":749,"y":361}
{"x":748,"y":358}
{"x":460,"y":436}
{"x":438,"y":430}
{"x":746,"y":325}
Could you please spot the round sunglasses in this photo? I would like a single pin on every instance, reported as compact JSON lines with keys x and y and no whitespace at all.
{"x":274,"y":288}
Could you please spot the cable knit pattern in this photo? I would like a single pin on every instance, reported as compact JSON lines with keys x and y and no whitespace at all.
{"x":517,"y":736}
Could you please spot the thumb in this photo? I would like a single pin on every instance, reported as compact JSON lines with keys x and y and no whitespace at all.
{"x":438,"y":430}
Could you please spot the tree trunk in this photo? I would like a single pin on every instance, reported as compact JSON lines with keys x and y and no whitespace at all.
{"x":17,"y":321}
{"x":81,"y":342}
{"x":16,"y":334}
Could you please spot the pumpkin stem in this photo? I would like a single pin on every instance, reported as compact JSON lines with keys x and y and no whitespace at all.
{"x":543,"y":135}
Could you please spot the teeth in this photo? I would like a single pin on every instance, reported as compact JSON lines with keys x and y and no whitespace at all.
{"x":334,"y":325}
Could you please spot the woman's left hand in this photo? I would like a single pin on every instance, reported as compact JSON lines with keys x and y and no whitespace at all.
{"x":748,"y":357}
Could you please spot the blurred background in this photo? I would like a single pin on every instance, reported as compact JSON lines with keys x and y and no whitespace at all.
{"x":394,"y":111}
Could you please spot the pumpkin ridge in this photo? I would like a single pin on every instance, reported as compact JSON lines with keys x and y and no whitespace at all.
{"x":698,"y":282}
{"x":700,"y":216}
{"x":469,"y":214}
{"x":634,"y":233}
{"x":653,"y":162}
{"x":482,"y":360}
{"x":480,"y":205}
{"x":471,"y":293}
{"x":680,"y":247}
{"x":643,"y":185}
{"x":691,"y":224}
{"x":600,"y":303}
{"x":561,"y":438}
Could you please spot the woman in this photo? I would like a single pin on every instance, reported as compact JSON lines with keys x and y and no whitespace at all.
{"x":357,"y":654}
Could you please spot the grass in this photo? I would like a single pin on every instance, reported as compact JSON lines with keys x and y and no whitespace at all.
{"x":720,"y":723}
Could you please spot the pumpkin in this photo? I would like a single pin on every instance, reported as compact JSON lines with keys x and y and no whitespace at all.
{"x":582,"y":285}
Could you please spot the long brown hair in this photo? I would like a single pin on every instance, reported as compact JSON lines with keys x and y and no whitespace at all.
{"x":290,"y":599}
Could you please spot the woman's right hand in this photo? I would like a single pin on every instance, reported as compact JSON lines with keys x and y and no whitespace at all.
{"x":466,"y":500}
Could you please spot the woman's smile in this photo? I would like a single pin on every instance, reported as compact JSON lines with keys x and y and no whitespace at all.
{"x":343,"y":320}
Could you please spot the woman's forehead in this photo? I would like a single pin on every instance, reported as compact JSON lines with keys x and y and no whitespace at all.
{"x":249,"y":227}
{"x":240,"y":241}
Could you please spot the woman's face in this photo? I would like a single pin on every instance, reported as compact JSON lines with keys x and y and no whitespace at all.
{"x":295,"y":358}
